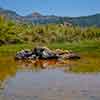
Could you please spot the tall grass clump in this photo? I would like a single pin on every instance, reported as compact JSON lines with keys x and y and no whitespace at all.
{"x":17,"y":33}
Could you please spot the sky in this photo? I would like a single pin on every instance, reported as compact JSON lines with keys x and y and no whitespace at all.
{"x":53,"y":7}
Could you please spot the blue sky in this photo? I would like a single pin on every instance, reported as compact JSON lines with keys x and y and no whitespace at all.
{"x":53,"y":7}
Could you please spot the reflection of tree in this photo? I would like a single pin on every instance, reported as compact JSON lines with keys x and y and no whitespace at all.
{"x":7,"y":69}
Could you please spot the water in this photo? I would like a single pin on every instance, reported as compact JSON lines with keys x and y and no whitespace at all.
{"x":50,"y":80}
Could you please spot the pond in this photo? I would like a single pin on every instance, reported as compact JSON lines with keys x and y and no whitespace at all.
{"x":50,"y":80}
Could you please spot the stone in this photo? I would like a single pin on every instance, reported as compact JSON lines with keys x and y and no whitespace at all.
{"x":23,"y":54}
{"x":45,"y":53}
{"x":70,"y":56}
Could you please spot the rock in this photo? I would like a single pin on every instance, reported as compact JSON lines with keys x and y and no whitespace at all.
{"x":70,"y":56}
{"x":44,"y":53}
{"x":23,"y":54}
{"x":60,"y":52}
{"x":67,"y":54}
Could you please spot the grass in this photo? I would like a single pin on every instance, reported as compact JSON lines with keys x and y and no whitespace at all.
{"x":7,"y":50}
{"x":88,"y":63}
{"x":89,"y":46}
{"x":82,"y":46}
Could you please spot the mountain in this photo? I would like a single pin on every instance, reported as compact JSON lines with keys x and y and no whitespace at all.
{"x":34,"y":14}
{"x":37,"y":18}
{"x":10,"y":15}
{"x":93,"y":20}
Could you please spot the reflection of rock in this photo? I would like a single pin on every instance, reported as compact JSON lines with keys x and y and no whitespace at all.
{"x":45,"y":53}
{"x":37,"y":65}
{"x":41,"y":64}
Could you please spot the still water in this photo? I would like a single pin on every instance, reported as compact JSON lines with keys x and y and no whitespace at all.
{"x":50,"y":80}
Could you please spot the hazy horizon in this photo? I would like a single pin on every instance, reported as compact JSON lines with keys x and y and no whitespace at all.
{"x":70,"y":8}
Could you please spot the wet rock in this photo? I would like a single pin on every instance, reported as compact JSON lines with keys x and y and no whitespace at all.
{"x":67,"y":54}
{"x":23,"y":54}
{"x":61,"y":52}
{"x":70,"y":56}
{"x":46,"y":53}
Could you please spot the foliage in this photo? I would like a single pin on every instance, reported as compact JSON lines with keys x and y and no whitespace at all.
{"x":14,"y":33}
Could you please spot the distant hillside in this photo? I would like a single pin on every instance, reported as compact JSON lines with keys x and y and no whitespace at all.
{"x":36,"y":18}
{"x":10,"y":14}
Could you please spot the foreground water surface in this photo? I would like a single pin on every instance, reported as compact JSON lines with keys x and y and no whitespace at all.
{"x":50,"y":80}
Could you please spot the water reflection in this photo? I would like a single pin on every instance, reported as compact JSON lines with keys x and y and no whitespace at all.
{"x":43,"y":64}
{"x":9,"y":67}
{"x":49,"y":79}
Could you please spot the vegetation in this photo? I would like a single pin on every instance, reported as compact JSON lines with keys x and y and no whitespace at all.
{"x":85,"y":41}
{"x":52,"y":35}
{"x":83,"y":47}
{"x":14,"y":33}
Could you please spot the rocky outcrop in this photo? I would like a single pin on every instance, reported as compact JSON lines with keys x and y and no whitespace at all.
{"x":45,"y":53}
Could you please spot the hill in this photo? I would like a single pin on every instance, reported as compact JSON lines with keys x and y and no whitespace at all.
{"x":37,"y":18}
